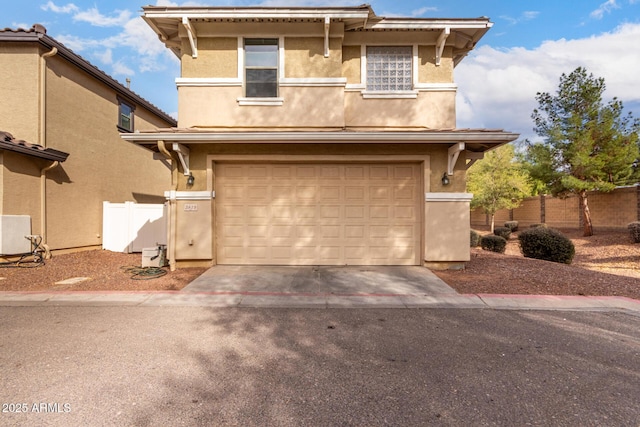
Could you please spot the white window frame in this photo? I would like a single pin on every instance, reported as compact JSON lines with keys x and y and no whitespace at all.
{"x":390,"y":94}
{"x":271,"y":101}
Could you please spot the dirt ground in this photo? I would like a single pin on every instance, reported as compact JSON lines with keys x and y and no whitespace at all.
{"x":605,"y":264}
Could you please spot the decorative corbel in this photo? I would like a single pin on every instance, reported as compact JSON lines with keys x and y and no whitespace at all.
{"x":440,"y":43}
{"x":183,"y":156}
{"x":452,"y":158}
{"x":193,"y":37}
{"x":473,"y":157}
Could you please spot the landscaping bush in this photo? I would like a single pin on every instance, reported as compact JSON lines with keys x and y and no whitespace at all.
{"x":541,"y":225}
{"x":511,"y":225}
{"x":504,"y":232}
{"x":475,"y":239}
{"x":493,"y":243}
{"x":634,"y":231}
{"x":547,"y":244}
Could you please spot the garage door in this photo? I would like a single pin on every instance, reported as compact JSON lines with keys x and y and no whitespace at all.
{"x":318,"y":214}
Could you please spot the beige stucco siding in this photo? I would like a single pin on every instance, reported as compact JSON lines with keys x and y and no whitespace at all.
{"x":434,"y":110}
{"x":351,"y":63}
{"x":304,"y":57}
{"x":101,"y":166}
{"x":217,"y":57}
{"x":447,"y":227}
{"x":19,"y":88}
{"x":21,"y":186}
{"x":428,"y":71}
{"x":303,"y":106}
{"x":80,"y":119}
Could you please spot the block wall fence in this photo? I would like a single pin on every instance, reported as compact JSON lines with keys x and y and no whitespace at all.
{"x":608,"y":210}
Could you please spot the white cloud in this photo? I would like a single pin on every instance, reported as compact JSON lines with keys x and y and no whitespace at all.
{"x":68,"y":8}
{"x":497,"y":88}
{"x":605,"y":7}
{"x":20,"y":25}
{"x":119,"y":68}
{"x":524,"y":16}
{"x":422,"y":11}
{"x":95,"y":18}
{"x":106,"y":57}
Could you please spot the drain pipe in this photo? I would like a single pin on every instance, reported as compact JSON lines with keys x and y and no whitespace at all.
{"x":42,"y":140}
{"x":43,"y":205}
{"x":173,"y":210}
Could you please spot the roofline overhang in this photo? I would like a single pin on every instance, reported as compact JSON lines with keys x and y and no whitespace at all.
{"x":493,"y":138}
{"x":360,"y":18}
{"x":178,"y":12}
{"x":46,"y":154}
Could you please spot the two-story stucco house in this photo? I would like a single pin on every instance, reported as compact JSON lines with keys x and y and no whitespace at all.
{"x":317,"y":136}
{"x":61,"y":155}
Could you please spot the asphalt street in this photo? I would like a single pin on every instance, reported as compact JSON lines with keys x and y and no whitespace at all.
{"x":149,"y":366}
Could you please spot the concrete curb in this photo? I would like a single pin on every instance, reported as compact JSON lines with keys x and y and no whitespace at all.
{"x":308,"y":300}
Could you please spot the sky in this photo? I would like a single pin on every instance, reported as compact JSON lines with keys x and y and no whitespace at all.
{"x":530,"y":45}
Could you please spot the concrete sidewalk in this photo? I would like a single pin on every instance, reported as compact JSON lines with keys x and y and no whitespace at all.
{"x":320,"y":301}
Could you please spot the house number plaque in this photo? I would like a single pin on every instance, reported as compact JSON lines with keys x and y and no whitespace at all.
{"x":190,"y":207}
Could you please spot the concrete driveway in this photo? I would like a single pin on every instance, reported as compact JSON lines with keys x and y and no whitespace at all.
{"x":321,"y":280}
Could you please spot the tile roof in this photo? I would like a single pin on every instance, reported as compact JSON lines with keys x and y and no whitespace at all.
{"x":38,"y":33}
{"x":9,"y":143}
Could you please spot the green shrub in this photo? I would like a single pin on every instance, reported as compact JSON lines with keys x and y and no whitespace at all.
{"x":475,"y":238}
{"x":634,"y":231}
{"x":547,"y":244}
{"x":504,"y":232}
{"x":538,"y":225}
{"x":511,"y":225}
{"x":493,"y":243}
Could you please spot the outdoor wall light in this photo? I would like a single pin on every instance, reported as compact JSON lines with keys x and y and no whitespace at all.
{"x":190,"y":180}
{"x":445,"y":179}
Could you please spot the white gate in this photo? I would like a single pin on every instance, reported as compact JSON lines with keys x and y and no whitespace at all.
{"x":130,"y":227}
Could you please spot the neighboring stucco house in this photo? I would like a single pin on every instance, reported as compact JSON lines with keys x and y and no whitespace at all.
{"x":61,"y":154}
{"x":317,"y":136}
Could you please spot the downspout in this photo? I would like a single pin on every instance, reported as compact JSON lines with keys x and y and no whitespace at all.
{"x":173,"y":210}
{"x":42,"y":140}
{"x":43,"y":205}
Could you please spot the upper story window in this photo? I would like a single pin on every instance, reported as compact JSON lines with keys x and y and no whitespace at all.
{"x":125,"y":116}
{"x":261,"y":68}
{"x":389,"y":68}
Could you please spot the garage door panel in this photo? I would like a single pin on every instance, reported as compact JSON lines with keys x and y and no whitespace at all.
{"x":358,"y":214}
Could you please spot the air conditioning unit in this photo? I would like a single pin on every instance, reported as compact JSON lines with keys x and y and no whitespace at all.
{"x":13,"y":229}
{"x":154,"y":257}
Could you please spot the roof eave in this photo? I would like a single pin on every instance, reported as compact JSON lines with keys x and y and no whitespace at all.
{"x":486,"y":137}
{"x":46,"y":154}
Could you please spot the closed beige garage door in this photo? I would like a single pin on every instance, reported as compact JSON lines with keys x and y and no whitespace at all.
{"x":318,"y":214}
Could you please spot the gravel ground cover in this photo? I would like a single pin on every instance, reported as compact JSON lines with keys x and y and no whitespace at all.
{"x":607,"y":263}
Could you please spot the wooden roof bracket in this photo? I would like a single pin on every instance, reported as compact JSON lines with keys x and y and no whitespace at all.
{"x":440,"y":43}
{"x":452,"y":158}
{"x":473,"y":157}
{"x":193,"y":37}
{"x":183,"y":156}
{"x":327,"y":25}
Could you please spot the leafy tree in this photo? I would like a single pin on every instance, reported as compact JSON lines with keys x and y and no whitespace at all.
{"x":497,"y":182}
{"x":587,"y":145}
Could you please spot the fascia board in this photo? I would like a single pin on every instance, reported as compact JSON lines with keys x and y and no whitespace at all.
{"x":430,"y":25}
{"x":256,"y":14}
{"x":302,"y":137}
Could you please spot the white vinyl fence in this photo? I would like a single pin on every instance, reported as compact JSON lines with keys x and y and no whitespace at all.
{"x":130,"y":227}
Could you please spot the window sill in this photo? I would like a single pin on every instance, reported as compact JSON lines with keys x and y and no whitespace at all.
{"x":124,"y":130}
{"x":408,"y":94}
{"x":269,"y":102}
